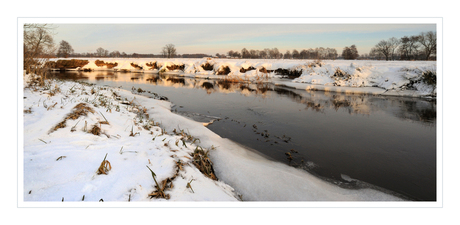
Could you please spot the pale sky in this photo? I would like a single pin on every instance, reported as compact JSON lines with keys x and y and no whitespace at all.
{"x":220,"y":38}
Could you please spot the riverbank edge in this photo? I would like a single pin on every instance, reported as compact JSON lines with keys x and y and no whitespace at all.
{"x":245,"y":71}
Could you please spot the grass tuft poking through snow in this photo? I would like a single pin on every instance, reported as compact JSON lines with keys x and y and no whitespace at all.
{"x":60,"y":162}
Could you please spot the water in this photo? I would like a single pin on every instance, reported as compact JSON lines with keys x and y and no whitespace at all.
{"x":388,"y":142}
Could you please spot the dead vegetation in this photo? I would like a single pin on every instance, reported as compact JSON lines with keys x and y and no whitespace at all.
{"x":224,"y":70}
{"x":79,"y":110}
{"x":203,"y":163}
{"x":136,"y":66}
{"x":166,"y":183}
{"x":207,"y":66}
{"x":95,"y":129}
{"x":316,"y":63}
{"x":67,"y":64}
{"x":105,"y":166}
{"x":176,"y":67}
{"x":291,"y":74}
{"x":340,"y":75}
{"x":101,"y":63}
{"x":264,"y":70}
{"x":152,"y":65}
{"x":243,"y":70}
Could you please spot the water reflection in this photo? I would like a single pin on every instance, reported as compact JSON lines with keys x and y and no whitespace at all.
{"x":386,"y":141}
{"x":418,"y":110}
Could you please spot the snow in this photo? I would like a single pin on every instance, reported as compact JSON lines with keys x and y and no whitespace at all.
{"x":61,"y":164}
{"x":391,"y":76}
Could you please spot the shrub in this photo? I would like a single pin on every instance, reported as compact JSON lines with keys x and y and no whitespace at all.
{"x":429,"y":77}
{"x":224,"y":70}
{"x":207,"y":66}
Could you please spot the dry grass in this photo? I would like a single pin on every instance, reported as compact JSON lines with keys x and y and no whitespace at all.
{"x":152,"y":65}
{"x":243,"y":70}
{"x":79,"y":110}
{"x":95,"y":129}
{"x":105,"y":166}
{"x":176,"y":67}
{"x":136,"y":66}
{"x":166,"y":183}
{"x":67,"y":64}
{"x":101,"y":63}
{"x":207,"y":66}
{"x":160,"y":190}
{"x":224,"y":70}
{"x":264,"y":70}
{"x":203,"y":163}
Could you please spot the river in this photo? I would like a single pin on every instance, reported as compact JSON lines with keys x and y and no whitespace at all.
{"x":383,"y":142}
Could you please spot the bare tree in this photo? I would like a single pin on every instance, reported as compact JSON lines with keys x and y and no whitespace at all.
{"x":384,"y":48}
{"x":287,"y":55}
{"x":394,"y":42}
{"x":115,"y":54}
{"x":230,"y":53}
{"x":102,"y":52}
{"x":428,"y":41}
{"x":295,"y":54}
{"x":274,"y":53}
{"x":65,"y":49}
{"x":245,"y":53}
{"x":38,"y":48}
{"x":169,"y":51}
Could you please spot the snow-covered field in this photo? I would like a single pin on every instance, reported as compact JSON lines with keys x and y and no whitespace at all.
{"x":378,"y":77}
{"x":70,"y":127}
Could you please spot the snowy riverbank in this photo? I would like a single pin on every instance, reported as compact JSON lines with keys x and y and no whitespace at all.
{"x":407,"y":78}
{"x":70,"y":127}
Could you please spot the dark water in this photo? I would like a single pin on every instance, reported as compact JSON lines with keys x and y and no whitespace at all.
{"x":389,"y":142}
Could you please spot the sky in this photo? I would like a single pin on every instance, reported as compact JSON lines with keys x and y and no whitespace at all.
{"x":220,"y":38}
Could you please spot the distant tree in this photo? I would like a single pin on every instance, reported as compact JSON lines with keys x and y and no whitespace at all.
{"x":38,"y":47}
{"x":254,"y":54}
{"x":350,"y":52}
{"x":295,"y":54}
{"x":65,"y":49}
{"x":101,"y":52}
{"x":245,"y":53}
{"x":376,"y":54}
{"x":262,"y":54}
{"x":287,"y":55}
{"x":331,"y":53}
{"x":404,"y":48}
{"x":384,"y":48}
{"x":274,"y":53}
{"x":304,"y":54}
{"x":115,"y":54}
{"x":409,"y":47}
{"x":394,"y":46}
{"x":230,"y":53}
{"x":428,"y":41}
{"x":169,"y":51}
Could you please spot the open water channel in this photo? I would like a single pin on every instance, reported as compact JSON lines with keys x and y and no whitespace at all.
{"x":382,"y":142}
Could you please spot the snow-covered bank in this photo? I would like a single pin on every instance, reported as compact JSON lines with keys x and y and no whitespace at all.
{"x":62,"y":161}
{"x":413,"y":77}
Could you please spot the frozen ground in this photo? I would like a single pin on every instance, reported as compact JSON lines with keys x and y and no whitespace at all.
{"x":376,"y":77}
{"x":61,"y":156}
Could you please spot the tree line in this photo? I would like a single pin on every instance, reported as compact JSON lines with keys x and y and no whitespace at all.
{"x":168,"y":51}
{"x":39,"y":43}
{"x":274,"y":53}
{"x":415,"y":47}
